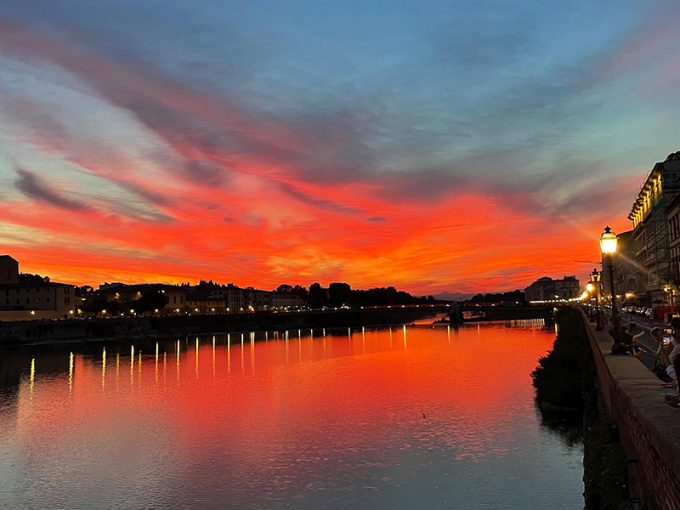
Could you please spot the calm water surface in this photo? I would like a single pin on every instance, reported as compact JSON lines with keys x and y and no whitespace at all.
{"x":407,"y":418}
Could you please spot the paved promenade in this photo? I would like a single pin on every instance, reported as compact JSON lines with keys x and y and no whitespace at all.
{"x":647,"y":342}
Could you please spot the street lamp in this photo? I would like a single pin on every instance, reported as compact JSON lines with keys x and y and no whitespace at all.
{"x":608,"y":244}
{"x":589,"y":289}
{"x":595,"y":277}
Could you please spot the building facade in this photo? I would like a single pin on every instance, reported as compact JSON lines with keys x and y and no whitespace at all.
{"x":547,"y":289}
{"x":650,"y":217}
{"x":674,"y":243}
{"x":9,"y":270}
{"x":46,"y":296}
{"x":26,"y":296}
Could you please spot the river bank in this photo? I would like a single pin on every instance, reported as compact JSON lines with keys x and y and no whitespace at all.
{"x":40,"y":332}
{"x":567,"y":390}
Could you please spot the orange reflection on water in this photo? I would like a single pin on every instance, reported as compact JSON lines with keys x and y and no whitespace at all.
{"x":462,"y":393}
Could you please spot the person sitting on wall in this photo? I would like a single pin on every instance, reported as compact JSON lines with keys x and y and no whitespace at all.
{"x":625,"y":343}
{"x":662,"y":363}
{"x":674,"y":357}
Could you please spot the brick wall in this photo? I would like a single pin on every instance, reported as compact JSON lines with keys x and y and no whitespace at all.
{"x":649,"y":429}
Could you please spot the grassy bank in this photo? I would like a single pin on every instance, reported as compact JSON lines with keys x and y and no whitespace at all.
{"x":566,"y":381}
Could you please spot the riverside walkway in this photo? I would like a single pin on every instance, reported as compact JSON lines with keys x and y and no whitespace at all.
{"x":649,"y":429}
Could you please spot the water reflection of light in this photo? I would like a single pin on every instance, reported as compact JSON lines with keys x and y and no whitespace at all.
{"x":132,"y":364}
{"x":243,"y":363}
{"x":117,"y":371}
{"x":31,"y":377}
{"x":252,"y":351}
{"x":70,"y":371}
{"x":177,"y":361}
{"x":213,"y":357}
{"x":196,"y":363}
{"x":156,"y":365}
{"x":103,"y":368}
{"x":448,"y":333}
{"x":404,"y":328}
{"x":228,"y":352}
{"x":287,"y":349}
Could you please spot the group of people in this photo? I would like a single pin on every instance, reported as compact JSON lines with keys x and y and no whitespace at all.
{"x":668,"y":358}
{"x":667,"y":362}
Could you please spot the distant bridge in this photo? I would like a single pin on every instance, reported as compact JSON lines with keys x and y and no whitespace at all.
{"x":500,"y":313}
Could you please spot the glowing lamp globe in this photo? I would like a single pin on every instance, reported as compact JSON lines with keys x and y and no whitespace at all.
{"x":590,"y":287}
{"x":608,"y":242}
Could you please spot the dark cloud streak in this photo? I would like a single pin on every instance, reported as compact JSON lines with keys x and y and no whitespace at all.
{"x":33,"y":187}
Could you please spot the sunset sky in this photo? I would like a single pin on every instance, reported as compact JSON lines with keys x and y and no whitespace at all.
{"x":435,"y":146}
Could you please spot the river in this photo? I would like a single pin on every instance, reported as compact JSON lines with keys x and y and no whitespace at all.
{"x":412,"y":417}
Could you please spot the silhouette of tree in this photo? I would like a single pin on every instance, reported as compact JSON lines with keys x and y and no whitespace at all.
{"x":339,"y":294}
{"x":149,"y":301}
{"x":317,"y":296}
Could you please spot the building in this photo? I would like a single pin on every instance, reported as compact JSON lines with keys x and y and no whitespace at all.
{"x":257,"y":299}
{"x":38,"y":296}
{"x":206,"y":304}
{"x":25,"y":296}
{"x":235,"y":298}
{"x":650,"y":217}
{"x":284,"y":300}
{"x":9,"y":270}
{"x":567,"y":288}
{"x":674,"y":245}
{"x":547,"y":289}
{"x":206,"y":298}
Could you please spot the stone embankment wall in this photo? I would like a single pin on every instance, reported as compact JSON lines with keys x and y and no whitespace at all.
{"x":649,"y":429}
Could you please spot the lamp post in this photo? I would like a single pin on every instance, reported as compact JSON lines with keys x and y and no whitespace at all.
{"x":590,"y":288}
{"x":608,"y":245}
{"x":595,"y":277}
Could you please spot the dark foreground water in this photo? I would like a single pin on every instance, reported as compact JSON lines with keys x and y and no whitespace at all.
{"x":407,"y":418}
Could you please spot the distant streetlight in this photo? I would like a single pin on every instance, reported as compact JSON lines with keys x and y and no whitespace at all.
{"x":608,"y":245}
{"x":589,"y":289}
{"x":595,"y":277}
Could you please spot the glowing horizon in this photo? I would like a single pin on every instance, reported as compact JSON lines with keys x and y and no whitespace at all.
{"x":439,"y":148}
